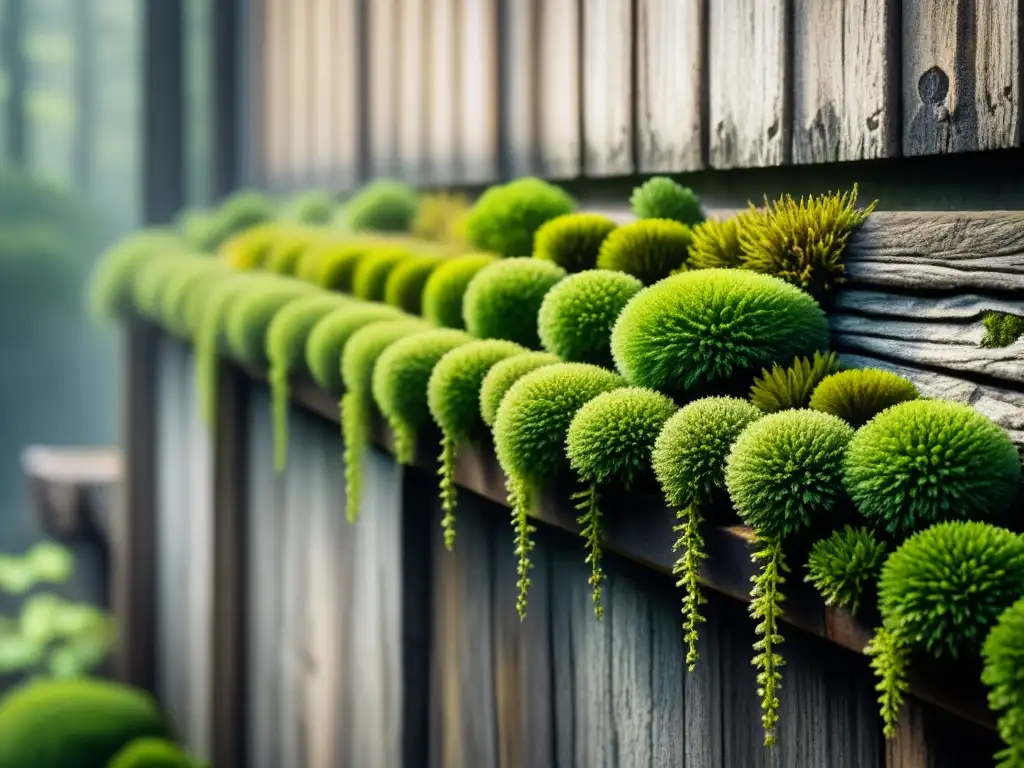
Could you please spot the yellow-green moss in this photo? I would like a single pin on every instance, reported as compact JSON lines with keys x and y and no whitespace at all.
{"x":405,"y":283}
{"x":328,"y":338}
{"x":370,"y":277}
{"x":249,"y":249}
{"x":112,"y":283}
{"x":249,"y":317}
{"x":446,"y":286}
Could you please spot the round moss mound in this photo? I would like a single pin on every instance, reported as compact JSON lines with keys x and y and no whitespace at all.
{"x":846,"y":565}
{"x":573,"y":241}
{"x":371,"y":272}
{"x":289,"y":248}
{"x":248,"y":318}
{"x":112,"y":283}
{"x":649,"y":249}
{"x":73,"y":723}
{"x":784,"y":471}
{"x":857,"y":396}
{"x":181,"y":285}
{"x":506,"y":217}
{"x":152,"y":753}
{"x":248,"y":249}
{"x":329,"y":336}
{"x":314,"y":206}
{"x":924,"y":461}
{"x":716,"y":243}
{"x":709,"y":326}
{"x":446,"y":286}
{"x":662,"y":198}
{"x":1003,"y":673}
{"x":405,"y":283}
{"x":337,"y":262}
{"x":781,"y":389}
{"x":382,"y":206}
{"x":503,"y":375}
{"x":576,"y":316}
{"x":240,"y":211}
{"x":502,"y":300}
{"x":151,"y":280}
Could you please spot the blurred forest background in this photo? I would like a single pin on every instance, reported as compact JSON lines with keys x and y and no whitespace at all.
{"x":71,"y":182}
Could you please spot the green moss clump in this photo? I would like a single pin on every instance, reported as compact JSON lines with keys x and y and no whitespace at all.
{"x":248,"y":318}
{"x":1003,"y":673}
{"x":370,"y":276}
{"x":381,"y":206}
{"x":248,"y":249}
{"x":507,"y":216}
{"x":857,"y":396}
{"x":240,"y":211}
{"x":650,"y":249}
{"x":924,"y":461}
{"x":182,"y":283}
{"x":111,"y":285}
{"x":503,"y":375}
{"x":716,"y":243}
{"x":689,"y":462}
{"x":502,"y":300}
{"x":803,"y":242}
{"x":662,"y":198}
{"x":783,"y":475}
{"x":438,"y":215}
{"x":337,"y":261}
{"x":358,"y":360}
{"x":713,"y":326}
{"x":784,"y":388}
{"x":314,"y":206}
{"x":445,"y":288}
{"x":329,"y":336}
{"x":285,"y":350}
{"x":152,"y":753}
{"x":405,"y":283}
{"x":288,"y":248}
{"x":151,"y":279}
{"x":573,"y":241}
{"x":1002,"y":329}
{"x":529,"y":436}
{"x":453,"y":396}
{"x":576,"y":316}
{"x":73,"y":723}
{"x":610,"y":440}
{"x":940,"y":593}
{"x":846,"y":565}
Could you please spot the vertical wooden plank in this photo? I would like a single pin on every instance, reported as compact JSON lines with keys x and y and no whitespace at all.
{"x":383,"y":45}
{"x":522,"y":75}
{"x":416,"y":589}
{"x":345,"y":99}
{"x":608,"y":87}
{"x":845,"y":80}
{"x":560,"y":88}
{"x":748,"y":83}
{"x":444,"y":120}
{"x":705,"y":694}
{"x":961,"y":75}
{"x":628,"y":612}
{"x":669,"y":680}
{"x":413,"y":78}
{"x":929,"y":738}
{"x":742,"y":734}
{"x":325,"y":91}
{"x":299,"y":58}
{"x":670,"y":74}
{"x":803,"y":732}
{"x":276,"y":105}
{"x":478,"y":90}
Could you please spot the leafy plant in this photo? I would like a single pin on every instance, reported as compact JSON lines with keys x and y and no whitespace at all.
{"x":331,"y":333}
{"x":708,"y":327}
{"x":924,"y":461}
{"x":803,"y":242}
{"x":783,"y":474}
{"x":502,"y":300}
{"x":453,"y":396}
{"x":610,"y":440}
{"x":503,"y":375}
{"x":857,"y":396}
{"x":573,"y":241}
{"x":716,"y":243}
{"x":507,"y":216}
{"x":649,"y":249}
{"x":1003,"y":673}
{"x":445,"y":288}
{"x":289,"y":248}
{"x":381,"y":206}
{"x":662,"y":198}
{"x":153,"y":753}
{"x":576,"y":316}
{"x":529,"y":436}
{"x":785,"y":388}
{"x":689,"y":462}
{"x":405,"y":283}
{"x":846,"y":564}
{"x":1002,"y":329}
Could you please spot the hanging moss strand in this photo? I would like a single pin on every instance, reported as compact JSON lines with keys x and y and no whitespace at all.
{"x":766,"y":607}
{"x":590,"y":520}
{"x":889,"y":661}
{"x":690,"y":545}
{"x":449,"y":450}
{"x":354,"y":431}
{"x":519,"y":500}
{"x":279,"y":414}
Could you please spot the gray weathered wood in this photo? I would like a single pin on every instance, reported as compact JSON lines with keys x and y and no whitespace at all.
{"x":477,"y":37}
{"x":520,"y":102}
{"x":275,"y":107}
{"x":961,"y":75}
{"x":742,"y":734}
{"x":704,"y":692}
{"x":383,"y":90}
{"x":325,"y":92}
{"x":748,"y":83}
{"x":845,"y":80}
{"x":560,"y":88}
{"x":957,"y":307}
{"x":608,"y":87}
{"x":444,"y":104}
{"x":670,"y":71}
{"x":927,"y":738}
{"x":299,"y":168}
{"x":412,"y":89}
{"x":345,"y":96}
{"x":632,"y":672}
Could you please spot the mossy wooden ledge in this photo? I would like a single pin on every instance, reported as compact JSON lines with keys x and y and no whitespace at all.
{"x":647,"y":539}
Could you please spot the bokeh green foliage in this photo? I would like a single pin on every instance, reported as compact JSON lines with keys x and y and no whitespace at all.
{"x":248,"y":318}
{"x":371,"y":272}
{"x":381,"y":206}
{"x":506,"y":217}
{"x":661,"y":198}
{"x":152,"y":753}
{"x":238,"y":212}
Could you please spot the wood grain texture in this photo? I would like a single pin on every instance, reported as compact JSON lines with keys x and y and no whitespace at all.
{"x":560,"y":88}
{"x":607,"y":87}
{"x":961,"y":75}
{"x":520,"y":47}
{"x":845,"y":71}
{"x":748,"y":82}
{"x":384,"y":37}
{"x":276,"y":108}
{"x":299,"y":52}
{"x":324,"y":80}
{"x":478,"y":90}
{"x":670,"y":71}
{"x":412,"y":89}
{"x":344,"y":101}
{"x":444,"y":116}
{"x":927,"y":738}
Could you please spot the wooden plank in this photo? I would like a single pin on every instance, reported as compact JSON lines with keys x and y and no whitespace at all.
{"x":413,"y":79}
{"x":345,"y":147}
{"x":383,"y":86}
{"x":520,"y":48}
{"x":445,"y":118}
{"x":670,"y":74}
{"x":299,"y":53}
{"x":277,"y":116}
{"x":607,"y":87}
{"x":560,"y":89}
{"x":477,"y":36}
{"x":961,"y":75}
{"x":742,"y":733}
{"x":845,"y":80}
{"x":704,"y":698}
{"x":628,"y":612}
{"x":927,"y":738}
{"x":325,"y":92}
{"x":748,"y":83}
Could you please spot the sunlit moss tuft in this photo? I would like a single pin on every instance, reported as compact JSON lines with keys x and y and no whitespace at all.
{"x":506,"y":217}
{"x":649,"y":249}
{"x":445,"y":288}
{"x":502,"y":300}
{"x":329,"y":336}
{"x":662,"y":198}
{"x":405,"y":283}
{"x":573,"y":241}
{"x":503,"y":375}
